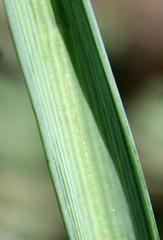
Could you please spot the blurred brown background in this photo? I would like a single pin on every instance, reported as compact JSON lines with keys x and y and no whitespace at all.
{"x":133,"y":36}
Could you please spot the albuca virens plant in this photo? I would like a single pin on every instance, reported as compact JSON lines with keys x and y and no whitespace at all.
{"x":91,"y":155}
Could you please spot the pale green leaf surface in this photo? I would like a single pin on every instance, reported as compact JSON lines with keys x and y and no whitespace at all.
{"x":90,"y":151}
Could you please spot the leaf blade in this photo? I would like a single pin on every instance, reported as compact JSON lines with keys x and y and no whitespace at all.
{"x":96,"y":175}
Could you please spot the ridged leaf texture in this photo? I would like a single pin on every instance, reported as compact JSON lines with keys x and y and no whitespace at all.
{"x":91,"y":155}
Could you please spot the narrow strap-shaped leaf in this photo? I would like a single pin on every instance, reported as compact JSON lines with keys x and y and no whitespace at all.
{"x":90,"y":150}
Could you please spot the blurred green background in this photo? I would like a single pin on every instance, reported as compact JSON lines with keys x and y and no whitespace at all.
{"x":133,"y":36}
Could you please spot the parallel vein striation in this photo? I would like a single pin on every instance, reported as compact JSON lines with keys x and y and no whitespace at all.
{"x":90,"y":151}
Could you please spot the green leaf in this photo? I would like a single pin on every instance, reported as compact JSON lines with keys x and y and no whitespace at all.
{"x":91,"y":155}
